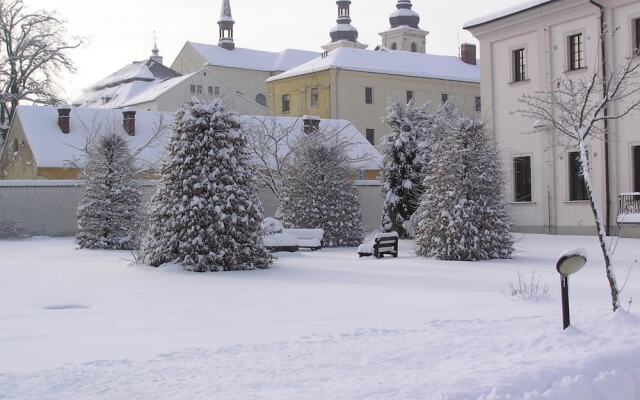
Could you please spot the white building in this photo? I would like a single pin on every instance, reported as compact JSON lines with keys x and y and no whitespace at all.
{"x":236,"y":75}
{"x":524,"y":49}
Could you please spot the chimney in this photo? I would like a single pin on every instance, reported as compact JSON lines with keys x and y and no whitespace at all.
{"x":64,"y":112}
{"x":468,"y":53}
{"x":311,"y":123}
{"x":129,"y":122}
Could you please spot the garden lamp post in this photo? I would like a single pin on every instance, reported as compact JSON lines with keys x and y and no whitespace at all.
{"x":569,"y":263}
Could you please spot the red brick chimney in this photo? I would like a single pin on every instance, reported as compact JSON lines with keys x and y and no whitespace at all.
{"x":64,"y":116}
{"x":129,"y":122}
{"x":468,"y":53}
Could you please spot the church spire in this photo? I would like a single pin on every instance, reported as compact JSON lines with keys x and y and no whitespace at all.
{"x":155,"y":52}
{"x":344,"y":34}
{"x":405,"y":33}
{"x":404,"y":15}
{"x":226,"y":23}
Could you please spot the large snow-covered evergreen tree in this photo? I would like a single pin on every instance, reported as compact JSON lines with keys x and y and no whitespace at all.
{"x":319,"y":191}
{"x":462,"y":215}
{"x":404,"y":151}
{"x":108,"y":214}
{"x":206,"y":214}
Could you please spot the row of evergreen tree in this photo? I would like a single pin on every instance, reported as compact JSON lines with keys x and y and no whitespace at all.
{"x":443,"y":184}
{"x":205,"y":214}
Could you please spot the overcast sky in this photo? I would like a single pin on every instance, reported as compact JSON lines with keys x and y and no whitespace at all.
{"x":121,"y":31}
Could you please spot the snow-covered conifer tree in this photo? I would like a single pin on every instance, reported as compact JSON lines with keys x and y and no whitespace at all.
{"x":108,"y":214}
{"x":318,"y":191}
{"x":462,"y":216}
{"x":404,"y":151}
{"x":206,"y":214}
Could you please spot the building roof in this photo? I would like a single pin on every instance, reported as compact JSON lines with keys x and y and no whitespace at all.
{"x":389,"y":62}
{"x":53,"y":149}
{"x":507,"y":12}
{"x":253,"y":59}
{"x":117,"y":89}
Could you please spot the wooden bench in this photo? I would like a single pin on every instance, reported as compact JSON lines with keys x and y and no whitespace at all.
{"x":383,"y":244}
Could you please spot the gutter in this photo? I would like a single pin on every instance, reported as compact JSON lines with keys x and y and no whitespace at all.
{"x":603,"y":54}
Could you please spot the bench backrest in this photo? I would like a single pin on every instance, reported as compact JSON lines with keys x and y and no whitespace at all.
{"x":384,"y":242}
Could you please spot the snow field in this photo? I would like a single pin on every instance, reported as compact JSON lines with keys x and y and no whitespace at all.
{"x":78,"y":324}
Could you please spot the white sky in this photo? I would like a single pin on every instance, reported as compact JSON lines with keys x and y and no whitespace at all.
{"x":121,"y":31}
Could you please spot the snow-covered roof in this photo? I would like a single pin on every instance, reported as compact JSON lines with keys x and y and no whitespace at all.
{"x":389,"y":62}
{"x":253,"y":59}
{"x":507,"y":12}
{"x":117,"y":90}
{"x":152,"y":92}
{"x":53,"y":149}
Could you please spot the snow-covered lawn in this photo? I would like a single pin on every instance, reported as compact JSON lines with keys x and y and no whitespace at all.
{"x":324,"y":325}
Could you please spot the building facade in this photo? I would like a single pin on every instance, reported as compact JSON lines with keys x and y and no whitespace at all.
{"x":524,"y":50}
{"x":355,"y":84}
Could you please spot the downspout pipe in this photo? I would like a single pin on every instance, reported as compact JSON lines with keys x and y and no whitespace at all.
{"x":603,"y":55}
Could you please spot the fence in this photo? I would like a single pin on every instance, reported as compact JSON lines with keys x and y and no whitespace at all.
{"x":50,"y":207}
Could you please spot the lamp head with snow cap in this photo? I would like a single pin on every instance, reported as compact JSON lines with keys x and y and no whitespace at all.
{"x":572,"y":261}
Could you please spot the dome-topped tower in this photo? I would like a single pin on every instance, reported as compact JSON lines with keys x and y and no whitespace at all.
{"x":343,"y":34}
{"x":404,"y":15}
{"x":226,"y":23}
{"x":405,"y":33}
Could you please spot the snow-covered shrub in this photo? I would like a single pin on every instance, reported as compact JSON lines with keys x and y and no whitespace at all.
{"x":404,"y":158}
{"x":206,"y":214}
{"x":271,"y":226}
{"x":109,"y":208}
{"x":319,"y":192}
{"x":462,"y":215}
{"x":12,"y":230}
{"x":531,"y":290}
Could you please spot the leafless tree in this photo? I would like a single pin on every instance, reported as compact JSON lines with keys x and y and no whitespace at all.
{"x":272,"y":142}
{"x":33,"y":54}
{"x":579,"y":107}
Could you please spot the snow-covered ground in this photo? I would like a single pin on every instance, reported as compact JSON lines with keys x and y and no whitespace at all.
{"x":323,"y":325}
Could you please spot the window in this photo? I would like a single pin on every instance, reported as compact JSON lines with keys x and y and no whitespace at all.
{"x":216,"y":91}
{"x":261,"y":99}
{"x":636,"y":169}
{"x":414,"y":48}
{"x":286,"y":103}
{"x":315,"y":97}
{"x":210,"y":90}
{"x":371,"y":136}
{"x":368,"y":95}
{"x":193,"y":89}
{"x":519,"y":65}
{"x":444,"y":97}
{"x":636,"y":34}
{"x":478,"y":104}
{"x":576,"y":52}
{"x":577,"y":187}
{"x":394,"y":46}
{"x":199,"y":89}
{"x":409,"y":95}
{"x":522,"y":179}
{"x":16,"y":147}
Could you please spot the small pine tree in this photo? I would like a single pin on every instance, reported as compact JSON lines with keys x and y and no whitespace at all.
{"x":405,"y":151}
{"x":462,"y":216}
{"x":206,"y":214}
{"x":319,"y":192}
{"x":108,"y":214}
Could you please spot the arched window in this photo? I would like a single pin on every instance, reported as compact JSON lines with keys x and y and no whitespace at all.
{"x":414,"y":47}
{"x":394,"y":46}
{"x":261,"y":99}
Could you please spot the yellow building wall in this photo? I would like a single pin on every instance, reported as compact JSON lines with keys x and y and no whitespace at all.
{"x":299,"y":90}
{"x":16,"y":160}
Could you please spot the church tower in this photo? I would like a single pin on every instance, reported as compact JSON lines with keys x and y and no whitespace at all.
{"x":226,"y":23}
{"x":405,"y":33}
{"x":344,"y":34}
{"x":155,"y":52}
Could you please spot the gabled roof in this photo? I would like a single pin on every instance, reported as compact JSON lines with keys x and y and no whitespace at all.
{"x":507,"y":12}
{"x":389,"y":62}
{"x":117,"y":89}
{"x":53,"y":149}
{"x":253,"y":59}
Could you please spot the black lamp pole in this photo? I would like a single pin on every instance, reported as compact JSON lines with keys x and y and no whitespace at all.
{"x":566,"y":317}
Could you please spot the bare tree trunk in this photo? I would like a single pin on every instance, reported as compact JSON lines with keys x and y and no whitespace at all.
{"x":602,"y":236}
